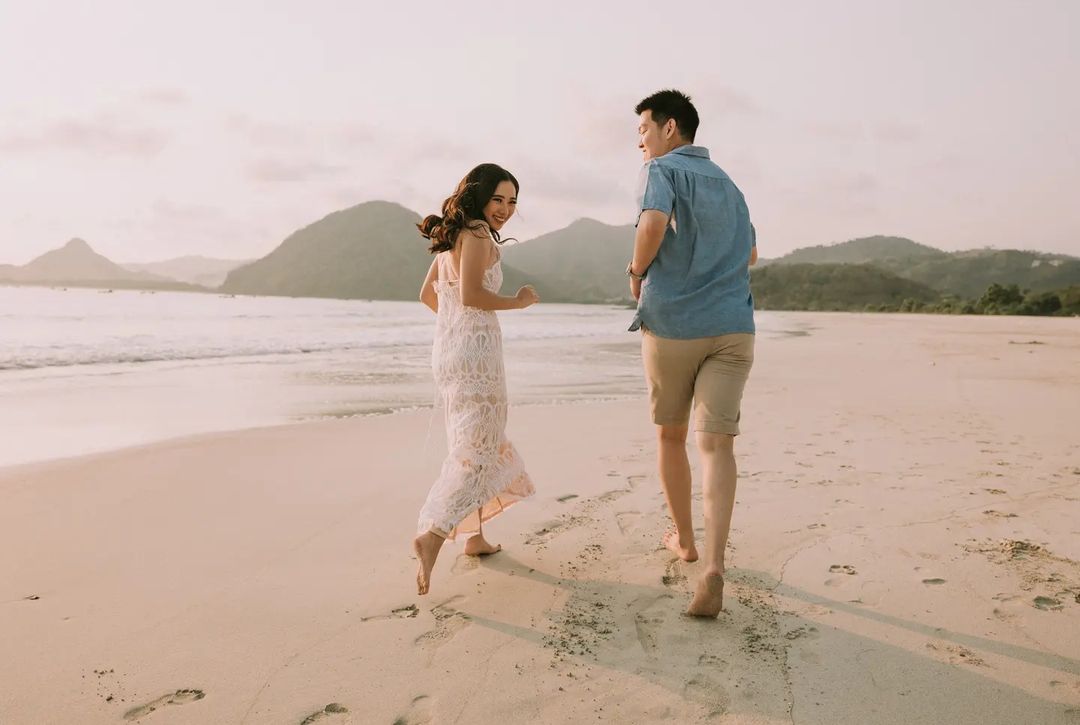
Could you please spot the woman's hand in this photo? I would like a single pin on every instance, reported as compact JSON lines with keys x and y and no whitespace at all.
{"x":526,"y":297}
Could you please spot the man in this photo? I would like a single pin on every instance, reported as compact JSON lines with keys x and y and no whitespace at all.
{"x":690,"y":274}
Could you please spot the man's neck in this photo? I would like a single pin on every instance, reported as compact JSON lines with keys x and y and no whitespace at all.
{"x":678,"y":145}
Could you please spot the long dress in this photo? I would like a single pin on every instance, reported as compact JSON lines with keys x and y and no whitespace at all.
{"x":483,"y":473}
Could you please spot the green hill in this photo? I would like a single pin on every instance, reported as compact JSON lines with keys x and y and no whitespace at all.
{"x":962,"y":274}
{"x":369,"y":251}
{"x":833,"y":287}
{"x":865,"y":250}
{"x":585,"y":262}
{"x":968,"y":274}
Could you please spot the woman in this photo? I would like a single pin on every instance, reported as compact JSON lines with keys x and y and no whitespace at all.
{"x":482,"y":473}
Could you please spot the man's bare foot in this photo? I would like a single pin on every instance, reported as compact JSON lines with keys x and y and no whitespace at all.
{"x":426,"y":546}
{"x":708,"y":601}
{"x":479,"y":546}
{"x":686,"y":553}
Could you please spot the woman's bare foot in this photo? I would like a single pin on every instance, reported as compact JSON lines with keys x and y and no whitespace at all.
{"x":708,"y":601}
{"x":686,"y":553}
{"x":426,"y":546}
{"x":478,"y":546}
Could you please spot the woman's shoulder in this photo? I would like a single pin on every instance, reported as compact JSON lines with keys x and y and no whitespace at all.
{"x":475,"y":228}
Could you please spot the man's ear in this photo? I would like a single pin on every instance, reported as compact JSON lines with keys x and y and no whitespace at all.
{"x":670,"y":128}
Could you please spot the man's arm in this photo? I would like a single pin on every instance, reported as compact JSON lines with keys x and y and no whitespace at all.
{"x":652,"y":224}
{"x":753,"y":255}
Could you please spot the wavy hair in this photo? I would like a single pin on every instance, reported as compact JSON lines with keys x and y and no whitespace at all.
{"x":464,"y":209}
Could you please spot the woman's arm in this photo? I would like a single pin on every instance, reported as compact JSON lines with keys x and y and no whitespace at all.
{"x":475,"y":246}
{"x":428,"y":295}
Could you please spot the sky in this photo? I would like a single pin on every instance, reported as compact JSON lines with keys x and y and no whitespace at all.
{"x":155,"y":130}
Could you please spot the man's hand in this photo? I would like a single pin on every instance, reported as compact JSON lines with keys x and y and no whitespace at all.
{"x":635,"y":288}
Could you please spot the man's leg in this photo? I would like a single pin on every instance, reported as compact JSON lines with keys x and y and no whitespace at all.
{"x":675,"y":479}
{"x":670,"y":370}
{"x":718,"y":478}
{"x":718,"y":391}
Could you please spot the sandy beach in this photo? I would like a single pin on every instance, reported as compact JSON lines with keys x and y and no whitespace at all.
{"x":905,"y":549}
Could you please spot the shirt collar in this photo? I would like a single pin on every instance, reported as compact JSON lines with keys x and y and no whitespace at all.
{"x":691,"y":150}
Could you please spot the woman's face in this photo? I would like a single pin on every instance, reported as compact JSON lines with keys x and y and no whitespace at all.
{"x":502,"y":205}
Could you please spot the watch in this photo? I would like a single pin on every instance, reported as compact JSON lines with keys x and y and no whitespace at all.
{"x":630,"y":271}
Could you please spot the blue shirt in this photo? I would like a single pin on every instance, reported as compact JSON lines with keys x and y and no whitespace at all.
{"x":699,"y":283}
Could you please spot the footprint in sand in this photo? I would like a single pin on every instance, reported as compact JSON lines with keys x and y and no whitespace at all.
{"x":954,"y":654}
{"x":933,"y":582}
{"x":673,"y":574}
{"x":1048,"y":604}
{"x":334,"y":708}
{"x":567,"y":497}
{"x":448,"y":622}
{"x":180,"y":697}
{"x":419,"y":712}
{"x":648,"y":619}
{"x":551,"y":529}
{"x":704,"y":691}
{"x":843,"y":569}
{"x":612,"y":495}
{"x":407,"y":612}
{"x":464,"y":563}
{"x":801,"y":632}
{"x":626,"y":520}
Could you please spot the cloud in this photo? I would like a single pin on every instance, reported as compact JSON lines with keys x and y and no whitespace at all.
{"x":174,"y":229}
{"x":102,"y":137}
{"x":720,"y":100}
{"x":341,"y":136}
{"x":897,"y":132}
{"x":267,"y":133}
{"x":163,"y":97}
{"x":836,"y":130}
{"x":571,"y":184}
{"x":272,"y":170}
{"x":891,"y":132}
{"x":858,"y":183}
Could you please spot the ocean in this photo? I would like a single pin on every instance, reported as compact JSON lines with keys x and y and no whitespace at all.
{"x":85,"y":370}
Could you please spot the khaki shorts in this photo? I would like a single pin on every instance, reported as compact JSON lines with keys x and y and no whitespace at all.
{"x":707,"y":372}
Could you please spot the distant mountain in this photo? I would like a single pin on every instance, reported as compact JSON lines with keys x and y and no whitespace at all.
{"x":203,"y":271}
{"x":833,"y":287}
{"x":77,"y":261}
{"x":963,"y":274}
{"x":866,"y":250}
{"x":373,"y":251}
{"x":968,"y":274}
{"x":585,"y":262}
{"x":369,"y":251}
{"x":76,"y":264}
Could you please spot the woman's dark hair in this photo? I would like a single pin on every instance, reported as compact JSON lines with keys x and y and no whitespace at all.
{"x":464,"y":209}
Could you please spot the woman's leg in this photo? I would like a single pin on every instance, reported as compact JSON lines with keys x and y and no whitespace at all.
{"x":477,"y":545}
{"x":426,"y":546}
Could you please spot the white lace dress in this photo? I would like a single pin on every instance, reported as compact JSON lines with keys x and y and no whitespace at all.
{"x":483,"y":473}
